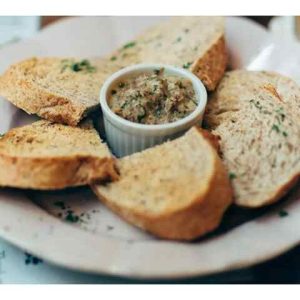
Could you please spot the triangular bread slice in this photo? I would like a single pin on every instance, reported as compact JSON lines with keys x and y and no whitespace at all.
{"x":49,"y":156}
{"x":66,"y":90}
{"x":256,"y":116}
{"x":177,"y":190}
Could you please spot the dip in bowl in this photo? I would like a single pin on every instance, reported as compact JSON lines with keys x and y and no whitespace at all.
{"x":147,"y":104}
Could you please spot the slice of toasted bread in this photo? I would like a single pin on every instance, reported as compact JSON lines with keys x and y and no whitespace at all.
{"x":45,"y":155}
{"x":66,"y":90}
{"x":177,"y":190}
{"x":194,"y":43}
{"x":50,"y":88}
{"x":256,"y":116}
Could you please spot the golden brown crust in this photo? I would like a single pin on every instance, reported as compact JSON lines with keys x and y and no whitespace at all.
{"x":211,"y":138}
{"x":54,"y":173}
{"x":200,"y":217}
{"x":211,"y":66}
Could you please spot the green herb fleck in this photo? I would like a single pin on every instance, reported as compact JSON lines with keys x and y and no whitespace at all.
{"x":129,"y":45}
{"x":113,"y":58}
{"x":178,"y":39}
{"x":284,"y":133}
{"x":282,"y":213}
{"x":275,"y":127}
{"x":60,"y":204}
{"x":83,"y":65}
{"x":121,"y":84}
{"x":232,"y":176}
{"x":187,"y":65}
{"x":2,"y":135}
{"x":186,"y":30}
{"x":70,"y":217}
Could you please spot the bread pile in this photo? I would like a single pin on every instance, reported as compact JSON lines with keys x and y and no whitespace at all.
{"x":66,"y":90}
{"x":250,"y":156}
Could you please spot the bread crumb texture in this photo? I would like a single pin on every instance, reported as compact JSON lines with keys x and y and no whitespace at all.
{"x":256,"y":116}
{"x":177,"y":190}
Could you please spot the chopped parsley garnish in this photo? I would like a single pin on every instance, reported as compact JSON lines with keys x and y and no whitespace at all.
{"x":232,"y":176}
{"x":113,"y":58}
{"x":187,"y":65}
{"x":71,"y":217}
{"x":284,"y":133}
{"x":30,"y":259}
{"x":83,"y":65}
{"x":178,"y":39}
{"x":129,"y":45}
{"x":282,"y":213}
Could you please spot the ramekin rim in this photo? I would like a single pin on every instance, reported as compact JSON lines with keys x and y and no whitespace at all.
{"x":197,"y":85}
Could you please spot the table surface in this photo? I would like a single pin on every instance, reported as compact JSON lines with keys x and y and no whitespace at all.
{"x":19,"y":267}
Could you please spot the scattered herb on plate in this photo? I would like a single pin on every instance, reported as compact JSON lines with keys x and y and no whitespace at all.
{"x":72,"y":218}
{"x":60,"y":204}
{"x":30,"y":259}
{"x":283,"y":213}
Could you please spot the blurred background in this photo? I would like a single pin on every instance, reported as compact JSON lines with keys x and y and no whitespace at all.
{"x":13,"y":29}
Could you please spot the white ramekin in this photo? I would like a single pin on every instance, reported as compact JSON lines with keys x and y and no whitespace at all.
{"x":125,"y":137}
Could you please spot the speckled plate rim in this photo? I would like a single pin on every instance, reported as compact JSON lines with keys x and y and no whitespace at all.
{"x":62,"y":244}
{"x":27,"y":226}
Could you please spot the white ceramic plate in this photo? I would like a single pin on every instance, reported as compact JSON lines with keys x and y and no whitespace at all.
{"x":99,"y":242}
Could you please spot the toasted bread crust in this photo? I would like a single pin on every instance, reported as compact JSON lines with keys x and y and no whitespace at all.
{"x":54,"y":173}
{"x":278,"y":194}
{"x":201,"y":216}
{"x":211,"y":66}
{"x":38,"y":156}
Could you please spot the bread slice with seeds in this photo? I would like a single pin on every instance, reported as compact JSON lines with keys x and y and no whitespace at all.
{"x":256,"y":116}
{"x":49,"y":156}
{"x":67,"y":90}
{"x":182,"y":196}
